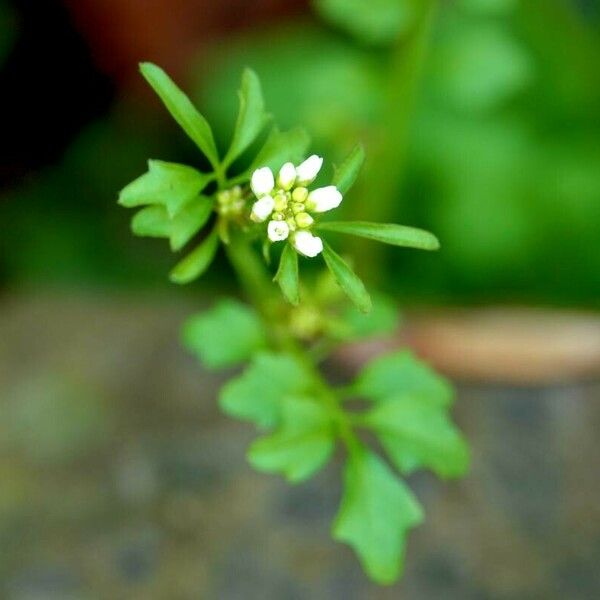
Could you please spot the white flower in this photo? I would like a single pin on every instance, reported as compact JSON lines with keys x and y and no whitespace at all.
{"x":278,"y":231}
{"x":307,"y":244}
{"x":262,"y":182}
{"x":324,"y":199}
{"x":309,"y":169}
{"x":262,"y":209}
{"x":287,"y":176}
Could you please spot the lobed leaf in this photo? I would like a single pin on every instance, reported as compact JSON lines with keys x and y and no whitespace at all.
{"x":252,"y":117}
{"x":345,"y":175}
{"x":169,"y":184}
{"x":417,"y":432}
{"x":287,"y":275}
{"x":182,"y":110}
{"x":258,"y":393}
{"x":301,"y":446}
{"x":347,"y":279}
{"x":387,"y":233}
{"x":402,"y":373}
{"x":376,"y":512}
{"x":228,"y":334}
{"x":197,"y":261}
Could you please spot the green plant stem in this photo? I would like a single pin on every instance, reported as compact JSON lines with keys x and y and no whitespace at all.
{"x":385,"y":171}
{"x":261,"y":291}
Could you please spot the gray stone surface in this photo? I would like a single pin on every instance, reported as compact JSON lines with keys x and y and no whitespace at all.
{"x":121,"y":479}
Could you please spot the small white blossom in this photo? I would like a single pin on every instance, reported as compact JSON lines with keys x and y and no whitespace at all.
{"x":309,"y":169}
{"x":278,"y":231}
{"x":262,"y":209}
{"x":287,"y":176}
{"x":324,"y":199}
{"x":307,"y":244}
{"x":262,"y":182}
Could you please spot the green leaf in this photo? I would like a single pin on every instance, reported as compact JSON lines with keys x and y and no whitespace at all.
{"x":228,"y":334}
{"x":376,"y":22}
{"x":154,"y":221}
{"x":282,"y":147}
{"x":197,"y":261}
{"x":182,"y":110}
{"x":345,"y":175}
{"x":387,"y":233}
{"x":169,"y":184}
{"x":287,"y":275}
{"x":416,"y":431}
{"x":376,"y":512}
{"x":347,"y":279}
{"x":258,"y":393}
{"x":301,"y":446}
{"x":382,"y":320}
{"x":151,"y":221}
{"x":252,"y":117}
{"x":402,"y":373}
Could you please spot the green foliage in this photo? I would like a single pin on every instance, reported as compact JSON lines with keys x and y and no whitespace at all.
{"x":182,"y":110}
{"x":287,"y":275}
{"x":387,"y":233}
{"x":382,"y":320}
{"x":197,"y":261}
{"x":345,"y":175}
{"x":376,"y":512}
{"x":401,"y":373}
{"x":257,"y":395}
{"x":228,"y":334}
{"x":282,"y":147}
{"x":347,"y":279}
{"x":301,"y":445}
{"x":416,"y":431}
{"x":375,"y":22}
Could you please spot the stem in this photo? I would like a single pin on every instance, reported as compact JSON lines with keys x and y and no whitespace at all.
{"x":261,"y":291}
{"x":387,"y":164}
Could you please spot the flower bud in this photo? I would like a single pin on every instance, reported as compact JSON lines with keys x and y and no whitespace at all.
{"x":262,"y":182}
{"x":309,"y":169}
{"x":304,"y":220}
{"x":278,"y":231}
{"x":280,"y":202}
{"x":300,"y":194}
{"x":307,"y":244}
{"x":262,"y":209}
{"x":287,"y":176}
{"x":324,"y":199}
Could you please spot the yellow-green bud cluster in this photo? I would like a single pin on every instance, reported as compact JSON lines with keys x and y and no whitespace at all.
{"x":230,"y":203}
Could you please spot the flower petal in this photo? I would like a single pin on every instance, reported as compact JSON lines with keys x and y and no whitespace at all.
{"x":278,"y":231}
{"x":262,"y":209}
{"x":324,"y":199}
{"x":262,"y":182}
{"x":308,"y":170}
{"x":287,"y":176}
{"x":307,"y":244}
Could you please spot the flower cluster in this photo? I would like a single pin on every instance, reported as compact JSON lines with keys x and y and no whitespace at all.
{"x":287,"y":203}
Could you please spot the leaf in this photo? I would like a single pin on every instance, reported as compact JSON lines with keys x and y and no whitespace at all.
{"x":402,"y":373}
{"x":258,"y":393}
{"x":228,"y":334}
{"x":154,"y":221}
{"x":376,"y":512}
{"x":348,"y":280}
{"x":282,"y":147}
{"x":301,"y":446}
{"x":387,"y":233}
{"x":182,"y":110}
{"x":382,"y":320}
{"x":197,"y":261}
{"x":416,"y":431}
{"x":376,"y":22}
{"x":252,"y":117}
{"x":345,"y":175}
{"x":287,"y":275}
{"x":169,"y":184}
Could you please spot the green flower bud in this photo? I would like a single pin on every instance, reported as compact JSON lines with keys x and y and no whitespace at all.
{"x":304,"y":220}
{"x":300,"y":194}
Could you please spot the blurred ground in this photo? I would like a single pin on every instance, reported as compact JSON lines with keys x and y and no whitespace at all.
{"x":120,"y":478}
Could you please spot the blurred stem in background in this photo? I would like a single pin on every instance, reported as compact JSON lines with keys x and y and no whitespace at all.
{"x":379,"y":195}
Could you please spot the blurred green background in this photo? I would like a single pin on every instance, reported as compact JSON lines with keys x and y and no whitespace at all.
{"x":481,"y":120}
